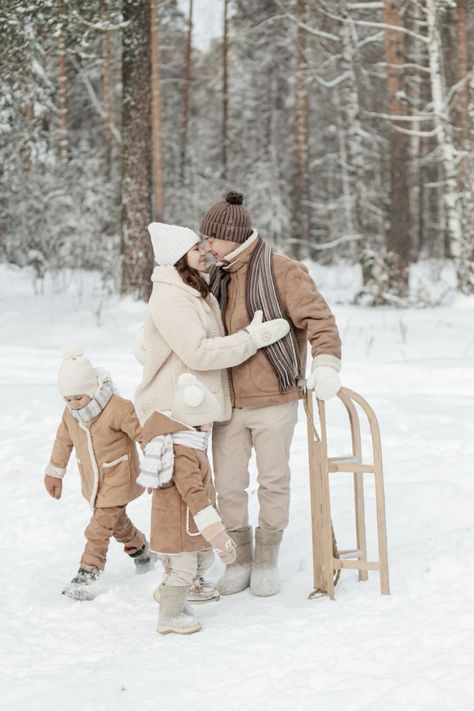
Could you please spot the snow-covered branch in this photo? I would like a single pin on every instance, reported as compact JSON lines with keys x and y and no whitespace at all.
{"x":305,"y":26}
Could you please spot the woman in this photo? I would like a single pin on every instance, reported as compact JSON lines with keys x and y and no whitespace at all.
{"x":183,"y":331}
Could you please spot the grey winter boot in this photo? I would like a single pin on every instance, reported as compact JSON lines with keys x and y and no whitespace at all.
{"x":264,"y":579}
{"x":82,"y":586}
{"x":172,"y":617}
{"x":143,"y":558}
{"x":236,"y":576}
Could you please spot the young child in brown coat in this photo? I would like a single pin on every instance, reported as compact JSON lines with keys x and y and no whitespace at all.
{"x":102,"y":428}
{"x":185,"y":525}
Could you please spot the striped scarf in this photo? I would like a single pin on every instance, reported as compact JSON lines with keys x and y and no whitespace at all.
{"x":156,"y":469}
{"x":96,"y":405}
{"x":261,"y":293}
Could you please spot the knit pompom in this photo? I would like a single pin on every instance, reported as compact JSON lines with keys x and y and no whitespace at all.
{"x":234,"y":198}
{"x":186,"y":379}
{"x":193,"y":396}
{"x":72,"y":350}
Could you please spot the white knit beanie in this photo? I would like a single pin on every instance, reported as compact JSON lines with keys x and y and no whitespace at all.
{"x":76,"y":375}
{"x":193,"y":403}
{"x":170,"y":242}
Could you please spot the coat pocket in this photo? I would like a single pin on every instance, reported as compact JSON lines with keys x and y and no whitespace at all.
{"x":117,"y":472}
{"x":191,"y":528}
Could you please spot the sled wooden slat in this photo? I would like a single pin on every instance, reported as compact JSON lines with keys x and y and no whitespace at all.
{"x":351,"y":467}
{"x":356,"y":564}
{"x":325,"y":562}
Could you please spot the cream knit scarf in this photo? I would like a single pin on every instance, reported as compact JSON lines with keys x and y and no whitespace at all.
{"x":96,"y":405}
{"x":156,"y":468}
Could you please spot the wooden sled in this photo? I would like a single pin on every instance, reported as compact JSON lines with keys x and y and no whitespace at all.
{"x":327,"y":560}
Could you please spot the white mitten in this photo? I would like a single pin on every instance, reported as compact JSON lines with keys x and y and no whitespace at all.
{"x":264,"y":334}
{"x":325,"y":382}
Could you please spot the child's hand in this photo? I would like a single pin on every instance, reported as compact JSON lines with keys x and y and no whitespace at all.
{"x":54,"y":486}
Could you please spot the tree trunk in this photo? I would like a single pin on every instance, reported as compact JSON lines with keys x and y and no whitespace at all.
{"x":137,"y":257}
{"x":300,"y":192}
{"x":415,"y":181}
{"x":225,"y":95}
{"x":354,"y":179}
{"x":105,"y":67}
{"x":186,"y":81}
{"x":398,"y":236}
{"x":466,"y":261}
{"x":462,"y":73}
{"x":62,"y":87}
{"x":157,"y":167}
{"x":444,"y":136}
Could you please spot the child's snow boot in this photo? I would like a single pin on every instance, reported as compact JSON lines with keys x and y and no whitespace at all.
{"x":143,"y":558}
{"x":82,"y":586}
{"x":156,"y":595}
{"x":236,"y":576}
{"x":202,"y":591}
{"x":173,"y":617}
{"x":264,"y":579}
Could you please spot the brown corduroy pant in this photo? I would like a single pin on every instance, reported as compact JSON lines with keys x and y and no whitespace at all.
{"x":105,"y":523}
{"x":269,"y":431}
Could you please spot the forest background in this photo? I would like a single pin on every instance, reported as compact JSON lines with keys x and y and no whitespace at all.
{"x":348,"y":126}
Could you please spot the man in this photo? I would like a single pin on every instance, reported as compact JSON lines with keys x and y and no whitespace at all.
{"x":264,"y":389}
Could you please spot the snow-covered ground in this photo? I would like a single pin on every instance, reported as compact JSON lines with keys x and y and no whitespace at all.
{"x":411,"y":650}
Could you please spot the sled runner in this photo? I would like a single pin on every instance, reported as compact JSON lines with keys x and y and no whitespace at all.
{"x":327,"y":560}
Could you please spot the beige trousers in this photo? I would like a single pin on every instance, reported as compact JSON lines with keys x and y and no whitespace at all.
{"x":105,"y":523}
{"x":182,"y":568}
{"x":268,"y":430}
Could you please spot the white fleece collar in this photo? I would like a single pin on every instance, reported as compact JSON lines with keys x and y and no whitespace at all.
{"x":169,"y":275}
{"x":231,"y":257}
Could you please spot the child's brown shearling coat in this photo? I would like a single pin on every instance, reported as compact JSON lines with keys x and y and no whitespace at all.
{"x":106,"y":453}
{"x":190,"y":490}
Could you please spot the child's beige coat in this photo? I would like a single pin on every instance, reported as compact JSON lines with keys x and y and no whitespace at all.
{"x":106,"y":453}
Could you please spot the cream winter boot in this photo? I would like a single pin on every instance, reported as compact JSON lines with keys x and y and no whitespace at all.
{"x":236,"y":576}
{"x":173,"y":617}
{"x":264,"y":579}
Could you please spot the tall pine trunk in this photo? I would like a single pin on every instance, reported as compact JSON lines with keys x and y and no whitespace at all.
{"x":451,"y":193}
{"x":137,"y":256}
{"x":186,"y":83}
{"x":225,"y":90}
{"x":300,"y":187}
{"x":351,"y":146}
{"x":62,"y":86}
{"x":157,"y":166}
{"x":398,"y":241}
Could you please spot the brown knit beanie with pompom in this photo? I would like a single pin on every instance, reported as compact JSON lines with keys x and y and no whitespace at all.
{"x":227,"y":219}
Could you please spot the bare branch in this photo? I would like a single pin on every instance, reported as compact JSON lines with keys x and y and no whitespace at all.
{"x":93,"y":96}
{"x":392,"y":117}
{"x":331,"y":83}
{"x":395,"y":28}
{"x":365,"y":6}
{"x":413,"y":132}
{"x":310,"y":30}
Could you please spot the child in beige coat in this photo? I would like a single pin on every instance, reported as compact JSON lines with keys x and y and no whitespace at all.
{"x":102,"y":428}
{"x":185,"y":525}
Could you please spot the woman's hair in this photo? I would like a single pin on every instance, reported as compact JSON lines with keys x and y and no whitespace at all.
{"x":191,"y":277}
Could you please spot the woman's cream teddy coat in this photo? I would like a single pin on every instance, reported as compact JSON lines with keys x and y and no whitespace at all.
{"x":183,"y":332}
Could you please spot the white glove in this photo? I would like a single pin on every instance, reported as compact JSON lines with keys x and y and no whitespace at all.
{"x":138,"y":348}
{"x":325,"y":382}
{"x":264,"y":334}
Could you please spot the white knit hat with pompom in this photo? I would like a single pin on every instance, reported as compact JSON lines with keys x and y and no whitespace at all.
{"x":193,"y":403}
{"x":76,"y":376}
{"x":170,"y":242}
